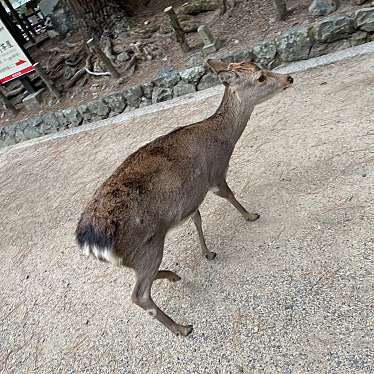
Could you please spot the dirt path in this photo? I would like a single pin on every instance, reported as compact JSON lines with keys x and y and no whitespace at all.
{"x":291,"y":293}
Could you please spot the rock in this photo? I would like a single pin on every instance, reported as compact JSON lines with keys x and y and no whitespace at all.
{"x":116,"y":102}
{"x":194,"y":60}
{"x":33,"y":128}
{"x":8,"y":136}
{"x":167,"y":77}
{"x":364,"y":19}
{"x":19,"y":136}
{"x":192,"y":75}
{"x":333,"y":28}
{"x":245,"y":55}
{"x":133,"y":96}
{"x":265,"y":53}
{"x":320,"y":49}
{"x":207,"y":81}
{"x":145,"y":102}
{"x":49,"y":124}
{"x":73,"y":117}
{"x":359,"y":37}
{"x":123,"y":56}
{"x":322,"y":7}
{"x":359,"y":2}
{"x":60,"y":14}
{"x":98,"y":109}
{"x":147,"y":90}
{"x":61,"y":120}
{"x":198,"y":6}
{"x":294,"y":45}
{"x":161,"y":94}
{"x":183,"y":88}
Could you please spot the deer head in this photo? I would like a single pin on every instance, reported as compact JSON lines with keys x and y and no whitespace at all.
{"x":249,"y":83}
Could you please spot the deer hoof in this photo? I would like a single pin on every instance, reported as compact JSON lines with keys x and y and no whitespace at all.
{"x":211,"y":256}
{"x":175,"y":278}
{"x":252,"y":217}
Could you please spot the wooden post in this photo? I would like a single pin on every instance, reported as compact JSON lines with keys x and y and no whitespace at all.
{"x":179,"y":32}
{"x":50,"y":85}
{"x":105,"y":60}
{"x":281,"y":9}
{"x":7,"y":103}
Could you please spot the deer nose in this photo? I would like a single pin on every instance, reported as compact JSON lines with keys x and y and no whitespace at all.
{"x":289,"y":79}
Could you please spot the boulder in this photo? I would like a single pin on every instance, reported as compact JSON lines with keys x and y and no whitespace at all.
{"x":116,"y":102}
{"x":322,"y":7}
{"x":72,"y":116}
{"x":294,"y":45}
{"x":364,"y":19}
{"x":265,"y":52}
{"x":320,"y":49}
{"x":167,"y":77}
{"x":50,"y":124}
{"x":207,"y":81}
{"x":359,"y":37}
{"x":161,"y":94}
{"x":192,"y":75}
{"x":133,"y":96}
{"x":333,"y":28}
{"x":147,"y":90}
{"x":183,"y":88}
{"x":60,"y":14}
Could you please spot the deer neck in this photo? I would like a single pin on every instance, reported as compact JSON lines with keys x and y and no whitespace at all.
{"x":233,"y":114}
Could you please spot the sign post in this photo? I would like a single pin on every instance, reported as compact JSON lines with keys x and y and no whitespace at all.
{"x":13,"y":61}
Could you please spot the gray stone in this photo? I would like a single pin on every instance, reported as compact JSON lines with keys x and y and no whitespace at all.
{"x":322,"y":7}
{"x":94,"y":110}
{"x":333,"y":28}
{"x":207,"y":81}
{"x":161,"y":94}
{"x":147,"y":89}
{"x":265,"y":53}
{"x":133,"y":96}
{"x":8,"y":136}
{"x":123,"y":56}
{"x":359,"y":37}
{"x":167,"y":77}
{"x":60,"y":14}
{"x":49,"y":124}
{"x":33,"y":128}
{"x":145,"y":102}
{"x":192,"y":75}
{"x":73,"y":117}
{"x":364,"y":19}
{"x":116,"y":102}
{"x":320,"y":49}
{"x":183,"y":88}
{"x":245,"y":55}
{"x":19,"y":136}
{"x":294,"y":45}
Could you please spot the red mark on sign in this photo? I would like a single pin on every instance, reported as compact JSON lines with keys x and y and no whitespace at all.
{"x":20,"y":62}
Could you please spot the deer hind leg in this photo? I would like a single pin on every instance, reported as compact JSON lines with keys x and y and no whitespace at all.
{"x":196,"y":218}
{"x":225,"y":192}
{"x":146,"y":270}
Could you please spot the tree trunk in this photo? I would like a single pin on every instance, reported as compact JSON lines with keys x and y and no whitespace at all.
{"x":281,"y":9}
{"x":97,"y":17}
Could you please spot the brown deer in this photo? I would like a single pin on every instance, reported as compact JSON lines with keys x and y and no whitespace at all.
{"x":164,"y":182}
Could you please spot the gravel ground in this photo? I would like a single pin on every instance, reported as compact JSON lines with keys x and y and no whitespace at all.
{"x":290,"y":293}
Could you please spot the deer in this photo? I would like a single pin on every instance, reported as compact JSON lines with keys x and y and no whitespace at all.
{"x":164,"y":183}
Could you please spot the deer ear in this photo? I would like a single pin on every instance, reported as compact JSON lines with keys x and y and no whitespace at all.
{"x":228,"y":77}
{"x":216,"y":65}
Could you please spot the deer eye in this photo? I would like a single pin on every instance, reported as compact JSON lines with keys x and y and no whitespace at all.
{"x":262,"y":78}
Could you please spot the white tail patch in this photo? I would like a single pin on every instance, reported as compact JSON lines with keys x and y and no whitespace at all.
{"x":105,"y":254}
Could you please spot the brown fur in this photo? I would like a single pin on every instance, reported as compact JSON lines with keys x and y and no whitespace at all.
{"x":165,"y":181}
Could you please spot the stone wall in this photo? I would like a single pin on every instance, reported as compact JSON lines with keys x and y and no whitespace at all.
{"x":331,"y":34}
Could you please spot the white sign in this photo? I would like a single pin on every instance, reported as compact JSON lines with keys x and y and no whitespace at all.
{"x":13,"y":61}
